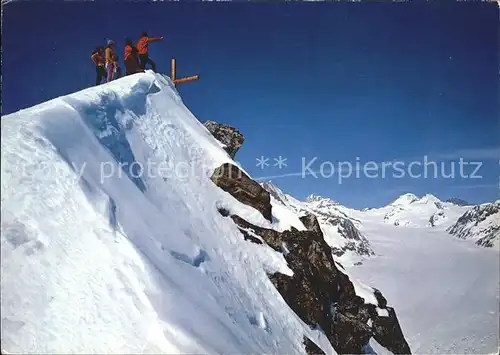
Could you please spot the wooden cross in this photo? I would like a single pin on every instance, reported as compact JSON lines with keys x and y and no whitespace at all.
{"x":181,"y":80}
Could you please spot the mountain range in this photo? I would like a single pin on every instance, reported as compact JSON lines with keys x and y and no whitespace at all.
{"x":340,"y":224}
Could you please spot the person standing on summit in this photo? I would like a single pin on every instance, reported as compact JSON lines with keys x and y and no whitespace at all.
{"x":132,"y":64}
{"x":98,"y":59}
{"x":110,"y":51}
{"x":142,"y":48}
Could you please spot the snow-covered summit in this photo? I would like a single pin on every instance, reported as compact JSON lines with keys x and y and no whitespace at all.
{"x":320,"y":201}
{"x":429,"y":198}
{"x":427,"y":211}
{"x":404,"y":200}
{"x":409,"y":198}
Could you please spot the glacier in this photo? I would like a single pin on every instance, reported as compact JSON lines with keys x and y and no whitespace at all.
{"x":101,"y":252}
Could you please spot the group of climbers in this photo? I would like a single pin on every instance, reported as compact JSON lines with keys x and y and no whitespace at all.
{"x":136,"y":58}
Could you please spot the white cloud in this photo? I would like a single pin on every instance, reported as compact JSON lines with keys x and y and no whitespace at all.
{"x":474,"y":153}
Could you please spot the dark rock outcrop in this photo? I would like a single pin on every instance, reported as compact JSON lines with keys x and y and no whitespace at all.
{"x":387,"y":331}
{"x":321,"y":295}
{"x":312,"y":348}
{"x":234,"y":181}
{"x":479,"y":222}
{"x":457,"y":201}
{"x":318,"y":292}
{"x":327,"y":212}
{"x":227,"y":135}
{"x":355,"y":241}
{"x":311,"y":223}
{"x":436,"y":217}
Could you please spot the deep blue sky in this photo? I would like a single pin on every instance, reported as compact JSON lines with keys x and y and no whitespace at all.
{"x":336,"y":81}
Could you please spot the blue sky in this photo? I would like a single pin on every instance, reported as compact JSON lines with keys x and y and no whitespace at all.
{"x":348,"y":82}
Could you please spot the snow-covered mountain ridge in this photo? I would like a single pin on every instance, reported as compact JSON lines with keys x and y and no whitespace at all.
{"x":480,"y":223}
{"x":408,"y":210}
{"x":340,"y":231}
{"x":127,"y":228}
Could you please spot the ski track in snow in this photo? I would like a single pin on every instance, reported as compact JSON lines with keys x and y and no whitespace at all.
{"x":444,"y":290}
{"x":129,"y":264}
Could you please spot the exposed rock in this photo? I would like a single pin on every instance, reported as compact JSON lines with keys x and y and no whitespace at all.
{"x":234,"y":181}
{"x":276,"y":193}
{"x":326,"y":211}
{"x":224,"y":212}
{"x":311,"y":223}
{"x":321,"y":295}
{"x":356,"y":242}
{"x":312,"y":348}
{"x":437,"y":218}
{"x":318,"y":292}
{"x":321,"y":201}
{"x":227,"y":135}
{"x":458,"y":201}
{"x":387,"y":331}
{"x":481,"y":223}
{"x":248,"y":234}
{"x":492,"y":236}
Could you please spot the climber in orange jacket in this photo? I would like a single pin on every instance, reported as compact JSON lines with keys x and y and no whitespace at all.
{"x":142,"y":48}
{"x":132,"y":64}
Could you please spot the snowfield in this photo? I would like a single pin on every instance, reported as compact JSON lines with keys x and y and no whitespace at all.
{"x":119,"y":261}
{"x":445,"y":290}
{"x":428,"y":211}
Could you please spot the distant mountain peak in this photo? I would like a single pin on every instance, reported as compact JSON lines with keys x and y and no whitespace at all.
{"x":405,"y":199}
{"x":274,"y":191}
{"x":313,"y":198}
{"x":429,"y":198}
{"x":320,"y":199}
{"x":409,"y":198}
{"x":458,"y":201}
{"x":270,"y":185}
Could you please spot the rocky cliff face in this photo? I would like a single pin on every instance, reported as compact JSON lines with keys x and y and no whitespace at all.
{"x":318,"y":292}
{"x":482,"y":223}
{"x":232,"y":180}
{"x":339,"y":230}
{"x":355,"y":241}
{"x":230,"y":137}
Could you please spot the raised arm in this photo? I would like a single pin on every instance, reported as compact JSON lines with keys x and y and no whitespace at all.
{"x":154,"y":39}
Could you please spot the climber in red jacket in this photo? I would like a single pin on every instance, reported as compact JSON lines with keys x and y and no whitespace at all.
{"x":131,"y":58}
{"x":142,"y":48}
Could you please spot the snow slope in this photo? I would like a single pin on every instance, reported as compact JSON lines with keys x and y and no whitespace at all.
{"x":111,"y":241}
{"x":445,"y":290}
